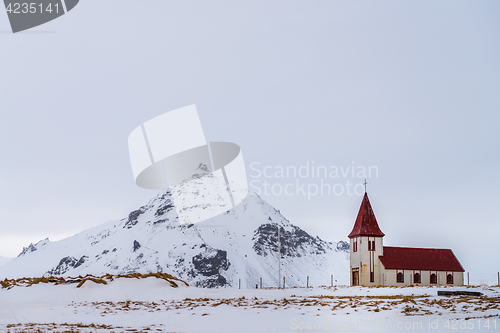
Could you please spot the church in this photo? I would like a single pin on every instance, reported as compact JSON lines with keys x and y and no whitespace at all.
{"x":373,"y":264}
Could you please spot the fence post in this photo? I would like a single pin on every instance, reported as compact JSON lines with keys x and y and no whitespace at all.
{"x":260,"y":283}
{"x":331,"y":284}
{"x":283,"y":282}
{"x":239,"y":283}
{"x":308,"y":282}
{"x":218,"y":275}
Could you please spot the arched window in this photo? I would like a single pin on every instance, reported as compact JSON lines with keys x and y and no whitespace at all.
{"x":434,"y":278}
{"x":416,"y":278}
{"x":449,"y":279}
{"x":400,"y":277}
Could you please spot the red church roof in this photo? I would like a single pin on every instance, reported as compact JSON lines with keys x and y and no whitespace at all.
{"x":366,"y":223}
{"x":420,"y":259}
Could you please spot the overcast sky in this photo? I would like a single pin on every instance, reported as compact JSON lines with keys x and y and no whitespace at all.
{"x":410,"y":87}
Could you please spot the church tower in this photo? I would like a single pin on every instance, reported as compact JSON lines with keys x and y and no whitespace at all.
{"x":366,"y":241}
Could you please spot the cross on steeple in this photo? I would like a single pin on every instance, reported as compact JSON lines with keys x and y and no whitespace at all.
{"x":365,"y":184}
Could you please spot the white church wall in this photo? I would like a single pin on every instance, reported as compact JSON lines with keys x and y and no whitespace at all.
{"x":389,"y":277}
{"x":366,"y":258}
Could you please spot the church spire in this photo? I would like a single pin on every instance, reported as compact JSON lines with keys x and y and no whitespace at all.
{"x":366,"y":223}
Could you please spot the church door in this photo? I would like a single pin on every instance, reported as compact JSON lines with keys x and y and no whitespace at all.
{"x":355,"y":277}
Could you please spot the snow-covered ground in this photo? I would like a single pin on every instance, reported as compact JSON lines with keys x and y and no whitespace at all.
{"x":152,"y":304}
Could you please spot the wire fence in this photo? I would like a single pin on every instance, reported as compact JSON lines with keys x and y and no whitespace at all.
{"x":306,"y":281}
{"x":490,"y":279}
{"x":473,"y":279}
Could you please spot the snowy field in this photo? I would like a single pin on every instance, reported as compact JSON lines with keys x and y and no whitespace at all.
{"x":151,"y":304}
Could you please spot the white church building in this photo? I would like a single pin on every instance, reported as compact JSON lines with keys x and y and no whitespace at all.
{"x":373,"y":264}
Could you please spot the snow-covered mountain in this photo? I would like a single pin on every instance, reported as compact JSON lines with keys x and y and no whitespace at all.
{"x":239,"y":244}
{"x":4,"y":260}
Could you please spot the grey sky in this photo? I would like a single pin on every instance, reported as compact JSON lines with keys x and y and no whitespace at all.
{"x":411,"y":87}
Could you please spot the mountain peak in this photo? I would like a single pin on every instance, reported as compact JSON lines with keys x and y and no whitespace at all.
{"x":33,"y":247}
{"x":201,"y":170}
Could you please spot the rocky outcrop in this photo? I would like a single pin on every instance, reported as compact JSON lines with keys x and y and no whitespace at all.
{"x":65,"y":264}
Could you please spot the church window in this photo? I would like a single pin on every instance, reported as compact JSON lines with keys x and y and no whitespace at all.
{"x":400,"y":278}
{"x":371,"y":245}
{"x":449,"y":279}
{"x":433,"y":278}
{"x":355,"y":245}
{"x":372,"y":277}
{"x":416,"y":278}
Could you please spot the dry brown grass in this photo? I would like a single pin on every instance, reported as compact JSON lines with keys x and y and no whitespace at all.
{"x":413,"y":305}
{"x":65,"y":328}
{"x":81,"y":280}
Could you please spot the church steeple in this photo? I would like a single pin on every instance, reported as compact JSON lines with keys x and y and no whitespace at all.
{"x":366,"y":223}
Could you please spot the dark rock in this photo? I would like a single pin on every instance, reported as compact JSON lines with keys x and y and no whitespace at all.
{"x":343,"y":246}
{"x":33,"y":247}
{"x":211,"y":262}
{"x":160,"y":221}
{"x":28,"y":249}
{"x":133,"y":216}
{"x":213,"y":282}
{"x":67,"y":263}
{"x":164,"y":208}
{"x":136,"y":245}
{"x":458,"y":293}
{"x":293,"y":242}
